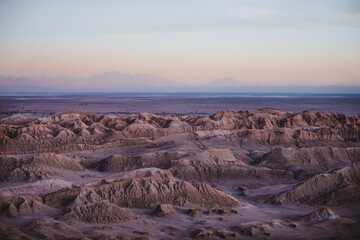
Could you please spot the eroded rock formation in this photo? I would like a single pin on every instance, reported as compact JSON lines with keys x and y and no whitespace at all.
{"x":340,"y":187}
{"x":77,"y":175}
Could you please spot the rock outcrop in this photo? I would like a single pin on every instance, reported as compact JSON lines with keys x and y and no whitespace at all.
{"x":100,"y":212}
{"x":322,"y":214}
{"x":340,"y":188}
{"x":119,"y":163}
{"x":22,"y":206}
{"x":147,"y":188}
{"x":316,"y":159}
{"x":164,"y":210}
{"x":38,"y":187}
{"x":42,"y":166}
{"x":220,"y":164}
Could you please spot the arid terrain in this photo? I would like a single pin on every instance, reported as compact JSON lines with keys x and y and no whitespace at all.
{"x":262,"y":174}
{"x":38,"y":104}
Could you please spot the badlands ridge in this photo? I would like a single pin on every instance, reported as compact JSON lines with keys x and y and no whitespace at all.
{"x":263,"y":174}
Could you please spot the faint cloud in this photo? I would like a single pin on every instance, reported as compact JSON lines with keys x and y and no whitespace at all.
{"x":252,"y":13}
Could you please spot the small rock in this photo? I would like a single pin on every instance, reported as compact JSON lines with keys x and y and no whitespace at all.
{"x":172,"y":230}
{"x":201,"y":233}
{"x":209,"y":212}
{"x":12,"y":211}
{"x":321,"y":214}
{"x":164,"y":210}
{"x":194,"y":212}
{"x":242,"y":190}
{"x":292,"y":225}
{"x":224,"y":233}
{"x":141,"y":232}
{"x":225,"y":211}
{"x":251,"y":231}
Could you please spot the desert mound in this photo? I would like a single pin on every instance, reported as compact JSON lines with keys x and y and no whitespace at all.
{"x":42,"y":166}
{"x":164,"y":210}
{"x":319,"y":215}
{"x":220,"y":164}
{"x":17,"y":119}
{"x":309,"y":159}
{"x":22,"y":206}
{"x":256,"y":229}
{"x":340,"y":187}
{"x":119,"y":163}
{"x":100,"y":212}
{"x":147,"y":188}
{"x":38,"y":187}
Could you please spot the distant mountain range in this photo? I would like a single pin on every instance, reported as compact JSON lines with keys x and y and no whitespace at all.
{"x":109,"y":81}
{"x":223,"y":82}
{"x":120,"y":82}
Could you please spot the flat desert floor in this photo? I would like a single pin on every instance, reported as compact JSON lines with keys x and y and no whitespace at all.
{"x":185,"y":103}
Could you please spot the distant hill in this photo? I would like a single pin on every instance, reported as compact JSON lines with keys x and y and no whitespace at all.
{"x":223,"y":82}
{"x":109,"y":81}
{"x":120,"y":82}
{"x":128,"y":81}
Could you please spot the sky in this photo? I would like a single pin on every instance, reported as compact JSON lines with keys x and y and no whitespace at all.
{"x":188,"y":41}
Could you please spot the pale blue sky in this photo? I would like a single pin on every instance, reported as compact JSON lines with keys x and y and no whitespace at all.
{"x":281,"y":41}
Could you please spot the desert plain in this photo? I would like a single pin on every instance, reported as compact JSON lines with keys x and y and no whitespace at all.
{"x":203,"y":103}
